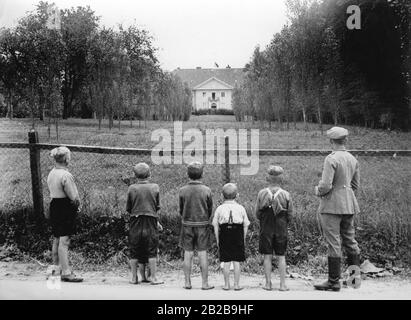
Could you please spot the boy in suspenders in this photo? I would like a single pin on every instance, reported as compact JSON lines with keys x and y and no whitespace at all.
{"x":274,"y":209}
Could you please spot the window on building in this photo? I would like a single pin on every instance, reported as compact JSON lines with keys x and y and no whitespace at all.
{"x":204,"y":94}
{"x":222,"y":94}
{"x":213,"y":95}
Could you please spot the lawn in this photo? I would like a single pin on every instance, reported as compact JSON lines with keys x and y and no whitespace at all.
{"x":384,"y":226}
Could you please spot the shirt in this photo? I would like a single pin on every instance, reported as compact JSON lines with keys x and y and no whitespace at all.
{"x":61,"y":184}
{"x":196,"y":204}
{"x":283,"y":201}
{"x":340,"y":178}
{"x":143,"y":198}
{"x":238,"y":213}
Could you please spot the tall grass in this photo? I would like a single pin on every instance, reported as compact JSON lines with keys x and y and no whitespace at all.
{"x":383,"y":227}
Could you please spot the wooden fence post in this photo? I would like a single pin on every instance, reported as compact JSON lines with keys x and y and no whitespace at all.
{"x":226,"y":160}
{"x":36,"y":183}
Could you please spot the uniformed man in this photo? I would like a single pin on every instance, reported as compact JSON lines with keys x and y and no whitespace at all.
{"x":338,"y":205}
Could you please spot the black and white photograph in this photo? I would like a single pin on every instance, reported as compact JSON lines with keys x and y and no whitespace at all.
{"x":200,"y":157}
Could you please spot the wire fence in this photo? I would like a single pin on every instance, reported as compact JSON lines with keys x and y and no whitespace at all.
{"x":102,"y":173}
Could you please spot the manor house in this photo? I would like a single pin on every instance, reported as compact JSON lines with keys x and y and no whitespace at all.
{"x":212,"y":88}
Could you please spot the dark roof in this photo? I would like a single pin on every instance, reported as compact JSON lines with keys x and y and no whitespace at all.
{"x":194,"y":77}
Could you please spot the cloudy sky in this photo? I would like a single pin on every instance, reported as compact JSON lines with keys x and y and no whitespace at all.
{"x":188,"y":33}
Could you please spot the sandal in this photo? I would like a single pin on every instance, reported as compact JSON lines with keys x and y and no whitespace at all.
{"x":71,"y":278}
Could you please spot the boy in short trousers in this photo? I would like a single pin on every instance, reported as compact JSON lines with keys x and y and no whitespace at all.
{"x":143,"y":204}
{"x":274,"y":209}
{"x":196,"y":207}
{"x":230,"y":224}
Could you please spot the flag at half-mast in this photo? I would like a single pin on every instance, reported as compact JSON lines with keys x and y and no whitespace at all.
{"x":53,"y":17}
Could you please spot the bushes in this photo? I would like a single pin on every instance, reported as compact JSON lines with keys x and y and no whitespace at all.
{"x":103,"y":237}
{"x":224,"y":112}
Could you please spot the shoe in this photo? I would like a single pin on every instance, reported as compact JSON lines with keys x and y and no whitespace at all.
{"x":71,"y":278}
{"x":334,"y":274}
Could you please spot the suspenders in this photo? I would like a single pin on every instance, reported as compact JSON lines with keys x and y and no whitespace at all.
{"x":274,"y":197}
{"x":230,"y":219}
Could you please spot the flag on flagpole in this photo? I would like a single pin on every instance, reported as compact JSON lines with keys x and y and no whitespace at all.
{"x":53,"y":17}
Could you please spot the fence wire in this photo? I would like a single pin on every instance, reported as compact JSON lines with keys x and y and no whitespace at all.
{"x":15,"y":179}
{"x":384,"y":194}
{"x":101,"y":180}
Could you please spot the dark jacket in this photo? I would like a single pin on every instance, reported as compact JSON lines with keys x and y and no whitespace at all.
{"x":196,"y":204}
{"x":143,"y":198}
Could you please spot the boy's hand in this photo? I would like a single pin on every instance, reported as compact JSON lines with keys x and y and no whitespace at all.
{"x":159,"y":226}
{"x":76,"y":204}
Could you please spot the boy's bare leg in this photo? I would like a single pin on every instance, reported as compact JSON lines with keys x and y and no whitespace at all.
{"x":188,"y":260}
{"x":281,"y":270}
{"x":153,"y":271}
{"x":237,"y":276}
{"x":268,"y":258}
{"x":226,"y":273}
{"x":204,"y":269}
{"x":142,"y":271}
{"x":148,"y":275}
{"x":63,"y":246}
{"x":133,"y":267}
{"x":55,"y":251}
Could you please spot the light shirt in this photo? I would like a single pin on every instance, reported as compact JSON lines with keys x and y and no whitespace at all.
{"x":222,"y":214}
{"x":282,"y":201}
{"x":61,"y":184}
{"x":340,"y":178}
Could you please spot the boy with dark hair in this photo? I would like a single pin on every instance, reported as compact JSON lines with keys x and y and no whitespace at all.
{"x":274,"y":209}
{"x":143,"y":204}
{"x":196,"y":206}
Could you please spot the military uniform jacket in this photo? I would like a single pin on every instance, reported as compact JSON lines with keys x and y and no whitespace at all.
{"x":340,"y":178}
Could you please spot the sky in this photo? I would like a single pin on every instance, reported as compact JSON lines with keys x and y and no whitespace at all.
{"x":187,"y":33}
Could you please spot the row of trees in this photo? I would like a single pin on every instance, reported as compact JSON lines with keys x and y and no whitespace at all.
{"x":318,"y":70}
{"x":82,"y":70}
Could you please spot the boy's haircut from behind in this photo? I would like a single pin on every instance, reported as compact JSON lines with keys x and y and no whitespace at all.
{"x":341,"y":141}
{"x":142,"y":170}
{"x":275,"y":174}
{"x":230,"y":191}
{"x":60,"y":154}
{"x":195,"y":170}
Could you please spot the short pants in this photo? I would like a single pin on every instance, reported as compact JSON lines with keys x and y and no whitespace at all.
{"x":195,"y":238}
{"x":143,"y":238}
{"x":63,"y":217}
{"x":273,"y":232}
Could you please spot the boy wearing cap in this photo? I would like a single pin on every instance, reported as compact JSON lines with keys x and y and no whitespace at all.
{"x":230,"y":224}
{"x":143,"y":204}
{"x":274,"y":209}
{"x":338,"y":205}
{"x":196,"y":206}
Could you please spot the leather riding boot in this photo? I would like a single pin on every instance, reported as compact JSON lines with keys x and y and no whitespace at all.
{"x":334,"y":274}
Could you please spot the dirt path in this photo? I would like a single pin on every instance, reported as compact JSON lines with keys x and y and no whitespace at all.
{"x":21,"y":282}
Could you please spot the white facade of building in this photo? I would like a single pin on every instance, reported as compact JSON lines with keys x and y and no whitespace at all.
{"x":212,"y":88}
{"x":213,"y":94}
